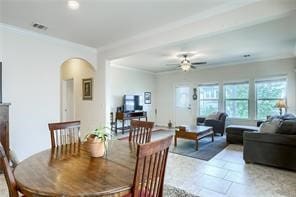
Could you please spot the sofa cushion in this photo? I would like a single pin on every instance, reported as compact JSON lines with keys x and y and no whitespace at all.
{"x":270,"y":126}
{"x":288,"y":127}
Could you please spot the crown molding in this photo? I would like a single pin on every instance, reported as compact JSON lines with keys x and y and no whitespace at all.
{"x":23,"y":31}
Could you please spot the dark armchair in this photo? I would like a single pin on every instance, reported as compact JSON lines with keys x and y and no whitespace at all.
{"x":217,"y":124}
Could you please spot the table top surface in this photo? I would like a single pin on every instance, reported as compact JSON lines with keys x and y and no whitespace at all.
{"x":198,"y":129}
{"x":70,"y":170}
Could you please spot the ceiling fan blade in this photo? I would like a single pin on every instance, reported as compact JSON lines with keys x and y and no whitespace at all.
{"x":172,"y":64}
{"x":198,"y":63}
{"x":193,"y":67}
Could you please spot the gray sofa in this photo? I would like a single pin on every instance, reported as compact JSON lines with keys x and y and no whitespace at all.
{"x":273,"y":149}
{"x":218,"y":125}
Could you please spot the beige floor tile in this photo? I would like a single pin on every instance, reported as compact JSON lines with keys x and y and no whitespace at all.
{"x":216,"y":162}
{"x":238,"y":177}
{"x":234,"y":166}
{"x":191,"y":187}
{"x":238,"y":190}
{"x":214,"y":171}
{"x":215,"y":184}
{"x":210,"y":193}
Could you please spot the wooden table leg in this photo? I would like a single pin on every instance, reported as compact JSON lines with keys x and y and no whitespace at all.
{"x":196,"y":145}
{"x":175,"y":141}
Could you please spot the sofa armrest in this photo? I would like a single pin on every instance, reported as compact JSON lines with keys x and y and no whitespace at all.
{"x":200,"y":120}
{"x":272,"y":138}
{"x":216,"y":124}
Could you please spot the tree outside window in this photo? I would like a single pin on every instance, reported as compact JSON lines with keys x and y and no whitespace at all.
{"x":208,"y":99}
{"x":236,"y":99}
{"x":268,"y":92}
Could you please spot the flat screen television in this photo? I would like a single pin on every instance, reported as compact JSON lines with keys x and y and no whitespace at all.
{"x":131,"y":103}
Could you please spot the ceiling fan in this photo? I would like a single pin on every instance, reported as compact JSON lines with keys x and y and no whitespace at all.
{"x":185,"y":63}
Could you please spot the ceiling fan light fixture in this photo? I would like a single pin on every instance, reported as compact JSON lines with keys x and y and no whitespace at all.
{"x":73,"y":5}
{"x":185,"y":65}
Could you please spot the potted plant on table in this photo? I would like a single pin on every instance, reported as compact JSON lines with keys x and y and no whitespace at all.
{"x":96,"y":141}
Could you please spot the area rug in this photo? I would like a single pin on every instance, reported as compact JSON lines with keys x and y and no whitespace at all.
{"x":170,"y":191}
{"x":206,"y":149}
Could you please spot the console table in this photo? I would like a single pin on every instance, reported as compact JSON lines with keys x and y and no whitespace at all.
{"x":123,"y":116}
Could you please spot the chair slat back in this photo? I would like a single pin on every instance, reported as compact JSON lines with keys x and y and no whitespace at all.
{"x":150,"y":168}
{"x":140,"y":131}
{"x":63,"y":133}
{"x":10,"y":180}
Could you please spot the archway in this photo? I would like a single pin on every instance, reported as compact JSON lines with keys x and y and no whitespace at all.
{"x":77,"y":103}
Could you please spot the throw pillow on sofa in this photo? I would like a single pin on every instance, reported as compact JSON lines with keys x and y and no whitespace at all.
{"x":288,"y":127}
{"x":270,"y":126}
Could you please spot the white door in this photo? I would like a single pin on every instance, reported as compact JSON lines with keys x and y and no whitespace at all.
{"x":183,"y":106}
{"x":67,"y":100}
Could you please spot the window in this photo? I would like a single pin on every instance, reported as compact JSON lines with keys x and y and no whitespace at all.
{"x":268,"y":92}
{"x":208,"y":99}
{"x":236,"y":99}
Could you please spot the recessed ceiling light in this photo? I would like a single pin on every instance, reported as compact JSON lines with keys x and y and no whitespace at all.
{"x":73,"y":5}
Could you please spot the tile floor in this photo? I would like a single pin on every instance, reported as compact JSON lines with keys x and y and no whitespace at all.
{"x":227,"y":175}
{"x":224,"y":175}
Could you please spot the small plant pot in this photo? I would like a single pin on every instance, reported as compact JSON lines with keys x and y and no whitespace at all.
{"x":96,"y":147}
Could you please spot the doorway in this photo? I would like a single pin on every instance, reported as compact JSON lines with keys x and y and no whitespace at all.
{"x":183,"y":105}
{"x":68,"y":100}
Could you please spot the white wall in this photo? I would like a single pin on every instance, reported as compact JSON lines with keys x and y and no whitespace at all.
{"x":31,"y":82}
{"x":132,"y":82}
{"x":166,"y":83}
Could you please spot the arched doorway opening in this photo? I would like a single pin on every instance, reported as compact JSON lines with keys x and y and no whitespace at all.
{"x":73,"y":104}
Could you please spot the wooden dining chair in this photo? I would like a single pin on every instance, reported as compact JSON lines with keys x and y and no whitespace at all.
{"x":63,"y":133}
{"x":9,"y":176}
{"x":140,"y":131}
{"x":150,"y":168}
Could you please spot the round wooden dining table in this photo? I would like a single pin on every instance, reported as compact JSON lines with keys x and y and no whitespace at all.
{"x":71,"y":171}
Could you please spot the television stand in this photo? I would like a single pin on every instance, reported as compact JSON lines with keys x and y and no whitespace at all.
{"x":123,"y":116}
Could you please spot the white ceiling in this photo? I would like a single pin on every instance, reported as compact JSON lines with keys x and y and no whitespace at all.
{"x":101,"y":22}
{"x":273,"y":39}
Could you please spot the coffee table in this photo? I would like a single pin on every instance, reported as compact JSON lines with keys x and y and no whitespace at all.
{"x":193,"y":133}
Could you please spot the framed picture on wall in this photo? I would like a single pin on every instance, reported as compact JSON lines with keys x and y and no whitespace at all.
{"x":87,"y":89}
{"x":147,"y":97}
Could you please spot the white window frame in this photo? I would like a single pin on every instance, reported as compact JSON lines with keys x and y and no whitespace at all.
{"x":236,"y":99}
{"x":199,"y":100}
{"x":271,"y":79}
